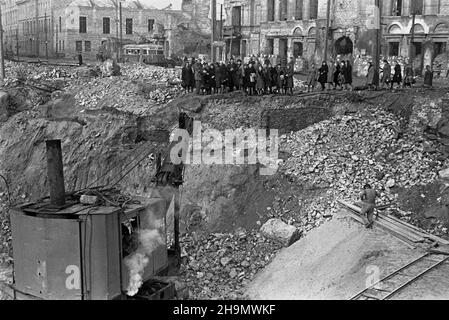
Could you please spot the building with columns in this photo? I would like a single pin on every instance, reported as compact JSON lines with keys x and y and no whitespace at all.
{"x":67,"y":27}
{"x":297,"y":28}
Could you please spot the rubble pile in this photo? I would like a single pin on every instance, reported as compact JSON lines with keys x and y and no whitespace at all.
{"x":220,"y":265}
{"x":37,"y":71}
{"x":339,"y":156}
{"x":137,"y":71}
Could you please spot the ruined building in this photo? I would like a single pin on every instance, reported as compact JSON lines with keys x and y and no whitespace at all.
{"x":297,"y":28}
{"x":66,"y":27}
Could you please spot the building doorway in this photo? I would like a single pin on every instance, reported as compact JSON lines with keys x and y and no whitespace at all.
{"x":393,"y":49}
{"x":297,"y":49}
{"x":244,"y":48}
{"x":270,"y":46}
{"x":283,"y":48}
{"x":344,"y":46}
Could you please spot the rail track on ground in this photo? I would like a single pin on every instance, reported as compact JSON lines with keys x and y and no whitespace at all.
{"x":399,"y":280}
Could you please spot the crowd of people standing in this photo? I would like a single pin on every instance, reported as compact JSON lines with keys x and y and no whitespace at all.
{"x":253,"y":77}
{"x":260,"y":76}
{"x":336,"y":75}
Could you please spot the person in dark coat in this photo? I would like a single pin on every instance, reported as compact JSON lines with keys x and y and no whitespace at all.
{"x":239,"y":74}
{"x":397,"y":77}
{"x":80,"y":59}
{"x":252,"y":79}
{"x":341,"y":76}
{"x":246,"y":79}
{"x":348,"y":76}
{"x":289,"y":74}
{"x":218,"y":78}
{"x":322,"y":79}
{"x":280,"y":78}
{"x":337,"y":75}
{"x":370,"y":77}
{"x":205,"y":83}
{"x":408,"y":76}
{"x":330,"y":75}
{"x":386,"y":74}
{"x":274,"y":79}
{"x":232,"y":69}
{"x":198,"y":74}
{"x":212,"y":81}
{"x":187,"y":77}
{"x":428,"y":77}
{"x":267,"y":78}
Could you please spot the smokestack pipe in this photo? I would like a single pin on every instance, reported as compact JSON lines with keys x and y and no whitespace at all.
{"x":55,"y":171}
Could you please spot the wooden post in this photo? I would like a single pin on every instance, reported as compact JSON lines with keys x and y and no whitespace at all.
{"x":214,"y":27}
{"x":17,"y":43}
{"x":46,"y":37}
{"x":36,"y":38}
{"x":326,"y":41}
{"x":121,"y":33}
{"x":2,"y":57}
{"x":412,"y":37}
{"x":377,"y":48}
{"x":55,"y":172}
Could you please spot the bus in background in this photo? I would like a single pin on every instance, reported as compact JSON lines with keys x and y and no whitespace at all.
{"x":149,"y":53}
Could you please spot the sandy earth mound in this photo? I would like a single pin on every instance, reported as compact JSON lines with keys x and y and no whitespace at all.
{"x":335,"y":261}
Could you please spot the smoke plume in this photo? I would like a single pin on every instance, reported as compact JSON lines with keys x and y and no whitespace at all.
{"x":149,"y":241}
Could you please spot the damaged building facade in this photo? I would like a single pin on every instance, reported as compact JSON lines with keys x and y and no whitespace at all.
{"x":68,"y":27}
{"x":297,"y":28}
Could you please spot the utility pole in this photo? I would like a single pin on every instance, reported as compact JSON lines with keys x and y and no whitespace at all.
{"x":17,"y":43}
{"x":214,"y":27}
{"x":412,"y":36}
{"x":377,"y":22}
{"x":221,"y":32}
{"x":121,"y":32}
{"x":46,"y":36}
{"x":2,"y":57}
{"x":37,"y":28}
{"x":326,"y":41}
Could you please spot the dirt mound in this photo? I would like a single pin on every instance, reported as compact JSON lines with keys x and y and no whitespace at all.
{"x":335,"y":261}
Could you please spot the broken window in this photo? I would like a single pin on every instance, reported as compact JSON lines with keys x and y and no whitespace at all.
{"x":417,"y":7}
{"x":396,"y":8}
{"x":79,"y":46}
{"x":270,"y":11}
{"x":417,"y":48}
{"x":237,"y":16}
{"x":313,"y":9}
{"x":87,"y":46}
{"x":439,"y":48}
{"x":129,"y":26}
{"x":393,"y":49}
{"x":298,"y":9}
{"x":83,"y":25}
{"x":106,"y":25}
{"x":150,"y":25}
{"x":283,"y":10}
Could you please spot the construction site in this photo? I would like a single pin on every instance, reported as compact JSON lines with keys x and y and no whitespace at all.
{"x":91,"y":207}
{"x":119,"y":181}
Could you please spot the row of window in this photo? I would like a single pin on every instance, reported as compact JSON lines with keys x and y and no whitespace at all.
{"x":29,"y":27}
{"x":87,"y":46}
{"x":107,"y":25}
{"x":299,"y":8}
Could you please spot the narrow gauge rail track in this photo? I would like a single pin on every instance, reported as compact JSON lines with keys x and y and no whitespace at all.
{"x":400,"y":279}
